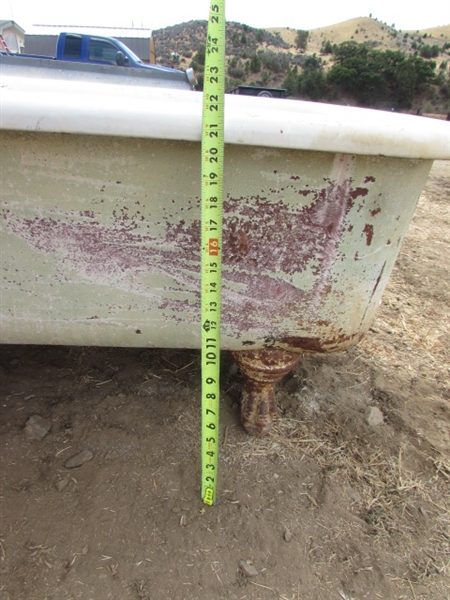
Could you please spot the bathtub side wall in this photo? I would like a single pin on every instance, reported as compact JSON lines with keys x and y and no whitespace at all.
{"x":100,"y":242}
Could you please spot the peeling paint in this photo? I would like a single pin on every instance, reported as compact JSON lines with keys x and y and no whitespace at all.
{"x":358,"y":192}
{"x":261,"y":237}
{"x":106,"y":250}
{"x":368,"y":230}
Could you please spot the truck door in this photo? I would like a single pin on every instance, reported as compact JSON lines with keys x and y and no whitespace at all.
{"x":102,"y":52}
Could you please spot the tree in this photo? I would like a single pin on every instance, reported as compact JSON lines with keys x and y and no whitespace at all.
{"x":260,"y":35}
{"x":265,"y":77}
{"x":349,"y":50}
{"x":198,"y":61}
{"x":290,"y":82}
{"x":343,"y":78}
{"x":301,"y":39}
{"x":424,"y":69}
{"x":327,"y":47}
{"x":427,"y":51}
{"x":373,"y":76}
{"x":405,"y":84}
{"x":313,"y":63}
{"x":310,"y":83}
{"x":255,"y":64}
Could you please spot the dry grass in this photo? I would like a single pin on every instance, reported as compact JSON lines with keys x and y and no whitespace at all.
{"x":399,"y":505}
{"x":360,"y":29}
{"x":421,"y":338}
{"x":437,"y":32}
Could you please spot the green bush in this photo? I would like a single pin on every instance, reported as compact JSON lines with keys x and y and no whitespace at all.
{"x":236,"y":72}
{"x":327,"y":47}
{"x":255,"y":64}
{"x":260,"y":36}
{"x":301,"y":39}
{"x":427,"y":51}
{"x":278,"y":62}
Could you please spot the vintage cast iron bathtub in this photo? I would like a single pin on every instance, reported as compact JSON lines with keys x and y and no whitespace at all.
{"x":100,"y":221}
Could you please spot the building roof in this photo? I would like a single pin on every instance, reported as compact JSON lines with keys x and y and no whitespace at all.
{"x":5,"y":24}
{"x":116,"y":32}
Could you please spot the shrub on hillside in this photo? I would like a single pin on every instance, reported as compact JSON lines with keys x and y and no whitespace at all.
{"x":278,"y":62}
{"x":236,"y":72}
{"x":255,"y":64}
{"x":427,"y":51}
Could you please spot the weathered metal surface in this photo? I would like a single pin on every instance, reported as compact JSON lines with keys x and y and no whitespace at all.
{"x":263,"y":369}
{"x":100,"y":242}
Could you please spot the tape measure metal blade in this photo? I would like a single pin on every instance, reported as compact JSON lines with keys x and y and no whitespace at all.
{"x":211,"y":243}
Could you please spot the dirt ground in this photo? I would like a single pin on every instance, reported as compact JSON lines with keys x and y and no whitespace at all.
{"x":347,"y":499}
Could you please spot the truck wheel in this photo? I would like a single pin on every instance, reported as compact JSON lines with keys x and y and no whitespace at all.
{"x":265,"y":94}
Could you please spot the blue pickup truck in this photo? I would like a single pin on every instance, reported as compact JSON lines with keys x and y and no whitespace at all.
{"x":107,"y":55}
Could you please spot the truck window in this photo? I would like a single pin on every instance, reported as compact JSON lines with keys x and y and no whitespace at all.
{"x":101,"y":50}
{"x":72,"y":47}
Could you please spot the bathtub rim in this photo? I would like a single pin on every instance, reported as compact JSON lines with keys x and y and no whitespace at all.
{"x":106,"y":109}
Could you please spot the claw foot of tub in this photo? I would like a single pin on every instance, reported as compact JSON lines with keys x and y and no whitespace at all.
{"x":263,"y":369}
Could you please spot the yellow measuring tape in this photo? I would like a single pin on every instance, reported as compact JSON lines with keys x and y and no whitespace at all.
{"x":211,"y":240}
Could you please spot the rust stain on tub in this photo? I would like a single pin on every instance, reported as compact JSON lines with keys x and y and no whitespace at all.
{"x":356,"y":193}
{"x":333,"y":343}
{"x":368,"y":230}
{"x":307,"y":344}
{"x":262,"y":239}
{"x":269,"y":235}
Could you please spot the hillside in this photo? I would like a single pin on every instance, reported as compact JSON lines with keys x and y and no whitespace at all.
{"x":264,"y":57}
{"x":365,"y":30}
{"x":242,"y":41}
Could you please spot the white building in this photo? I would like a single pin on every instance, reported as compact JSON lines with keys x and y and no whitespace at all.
{"x":12,"y":36}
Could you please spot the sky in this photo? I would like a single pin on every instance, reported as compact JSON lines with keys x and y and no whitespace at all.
{"x":154,"y":14}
